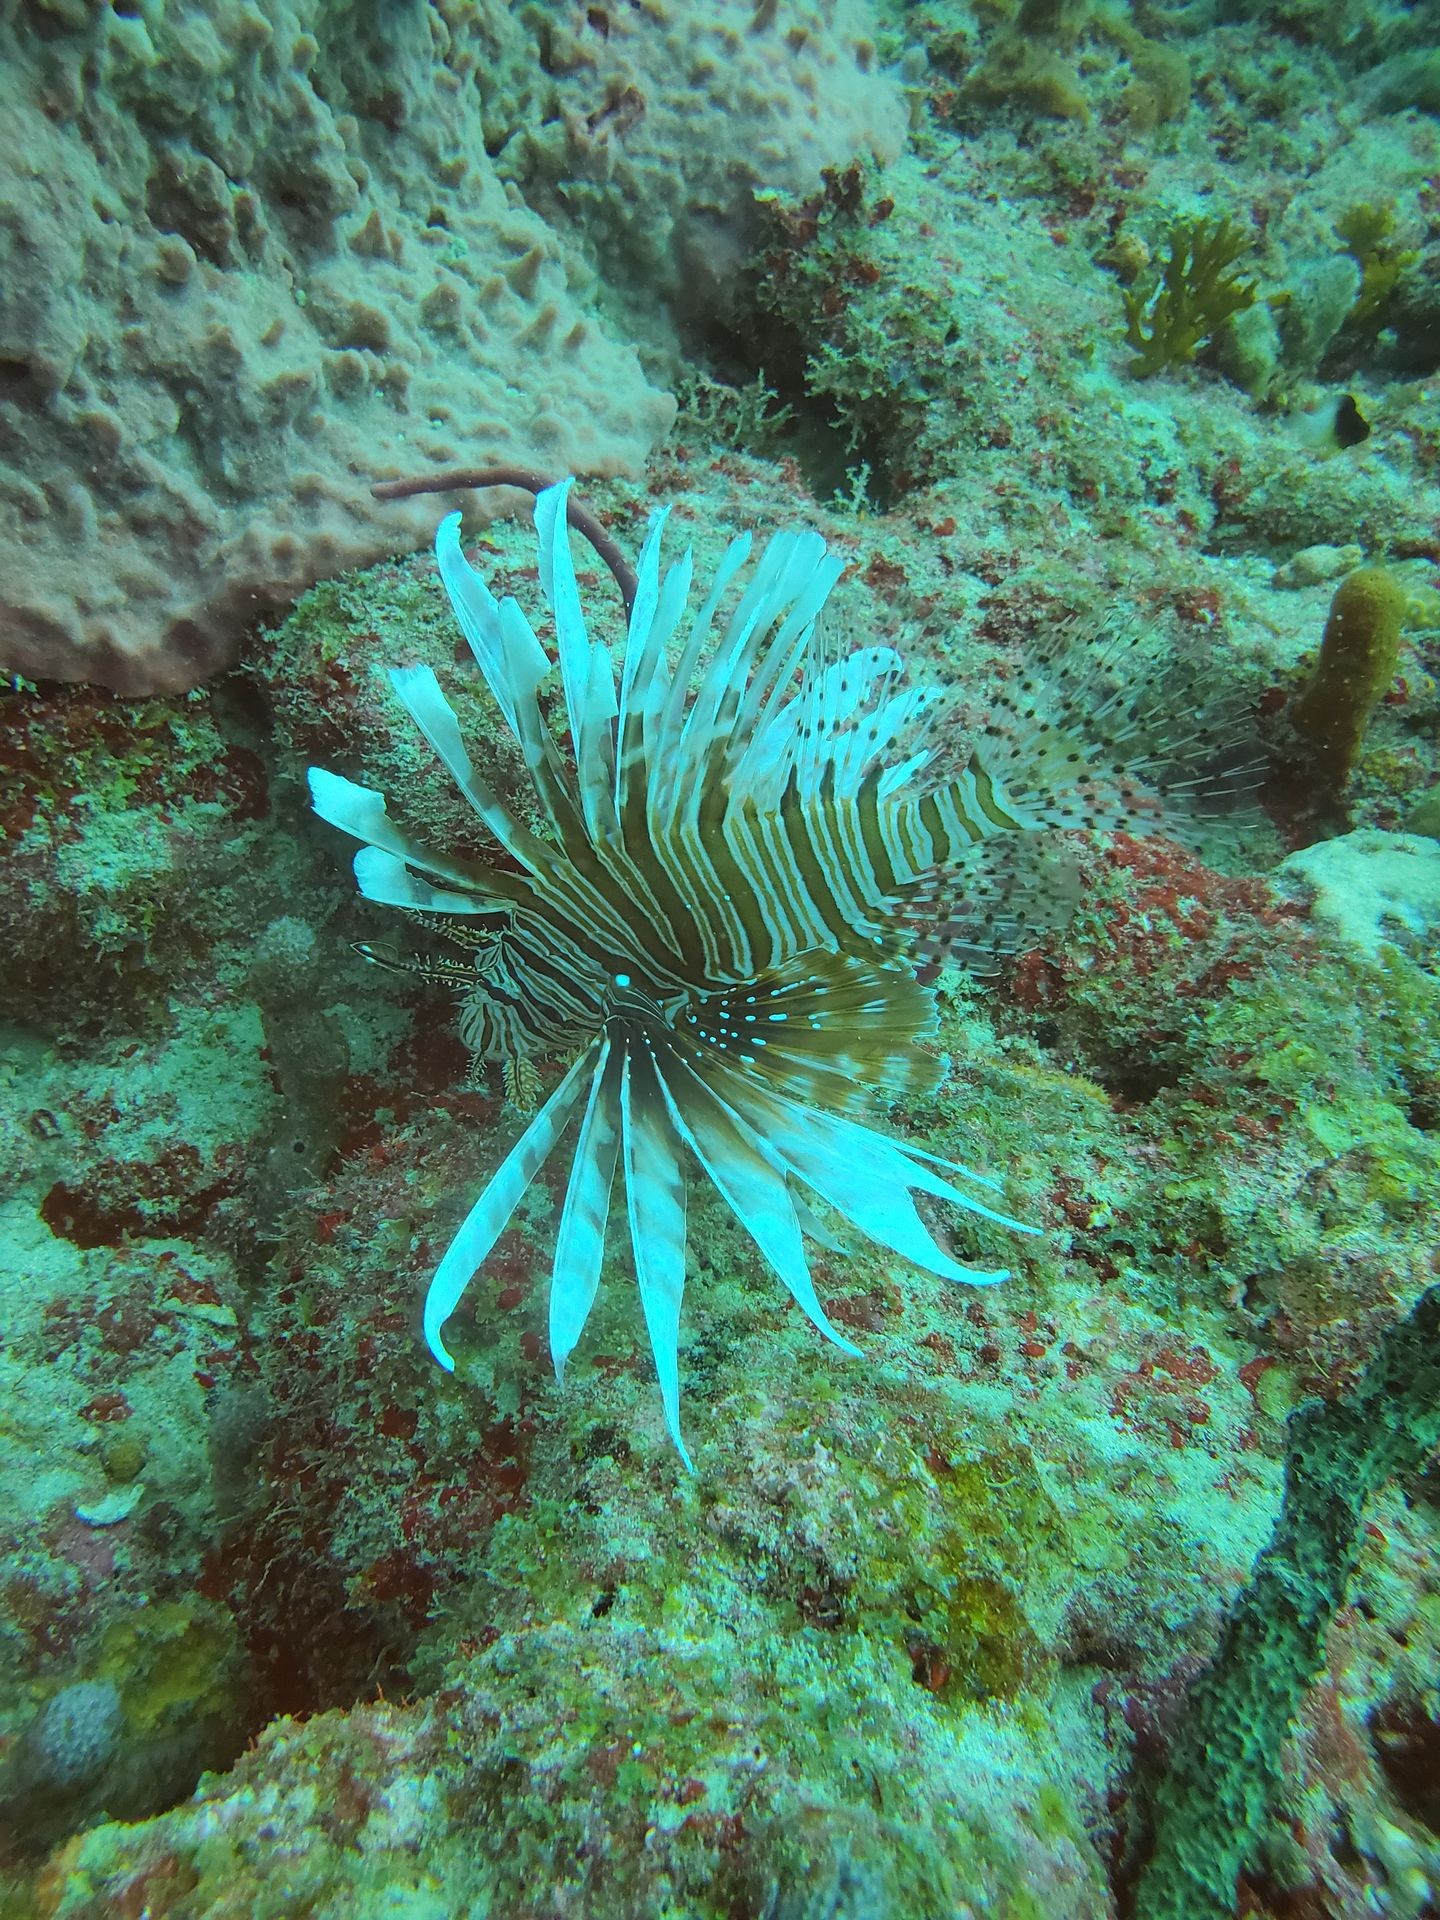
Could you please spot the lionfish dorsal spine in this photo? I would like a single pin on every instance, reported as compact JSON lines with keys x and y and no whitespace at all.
{"x":511,"y":660}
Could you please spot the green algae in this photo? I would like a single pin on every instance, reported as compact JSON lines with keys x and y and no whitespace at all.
{"x":177,"y":1664}
{"x":122,"y":823}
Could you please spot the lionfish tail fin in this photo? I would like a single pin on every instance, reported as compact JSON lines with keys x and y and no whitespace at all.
{"x":994,"y":901}
{"x":1102,"y":734}
{"x":1097,"y":735}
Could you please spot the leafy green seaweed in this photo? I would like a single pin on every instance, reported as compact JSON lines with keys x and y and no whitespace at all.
{"x":1167,"y":319}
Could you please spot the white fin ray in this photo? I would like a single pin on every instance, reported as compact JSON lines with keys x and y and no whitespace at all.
{"x":655,"y":1203}
{"x":511,"y":659}
{"x":675,"y":588}
{"x":653,"y":698}
{"x":647,"y":685}
{"x":490,"y":1215}
{"x":782,"y":566}
{"x":389,"y":882}
{"x":586,"y":675}
{"x":514,"y":666}
{"x":360,"y":812}
{"x":668,"y":771}
{"x":814,"y":1228}
{"x":580,"y":1238}
{"x":866,"y":1178}
{"x":553,"y":780}
{"x":812,"y":575}
{"x":557,"y":583}
{"x":643,"y":635}
{"x":893,"y":778}
{"x":595,"y":749}
{"x":420,"y":694}
{"x":913,"y":1152}
{"x":864,"y":732}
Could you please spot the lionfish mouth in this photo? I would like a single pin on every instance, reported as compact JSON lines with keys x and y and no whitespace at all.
{"x":715,"y":923}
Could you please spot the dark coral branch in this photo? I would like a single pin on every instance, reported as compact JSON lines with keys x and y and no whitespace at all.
{"x":580,"y":517}
{"x":1211,"y":1808}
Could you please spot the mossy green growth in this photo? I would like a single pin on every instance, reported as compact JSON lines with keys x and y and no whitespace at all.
{"x":122,"y":825}
{"x":944,"y":1573}
{"x":1168,"y":319}
{"x":839,"y":340}
{"x":177,"y":1664}
{"x":1344,"y":1086}
{"x":868,"y":335}
{"x":966,"y":1603}
{"x":884,"y":1602}
{"x":1033,"y":79}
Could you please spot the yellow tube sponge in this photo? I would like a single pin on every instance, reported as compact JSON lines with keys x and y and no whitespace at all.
{"x":1357,"y":659}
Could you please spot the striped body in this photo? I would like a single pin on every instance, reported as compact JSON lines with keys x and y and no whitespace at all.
{"x":723,"y":909}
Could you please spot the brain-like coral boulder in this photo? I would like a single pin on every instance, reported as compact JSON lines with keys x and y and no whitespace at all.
{"x":255,"y":257}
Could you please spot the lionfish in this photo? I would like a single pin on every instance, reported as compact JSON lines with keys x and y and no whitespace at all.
{"x":740,"y":876}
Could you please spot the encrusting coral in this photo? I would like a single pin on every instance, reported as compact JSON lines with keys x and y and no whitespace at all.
{"x":1226,"y":1767}
{"x":254,"y":255}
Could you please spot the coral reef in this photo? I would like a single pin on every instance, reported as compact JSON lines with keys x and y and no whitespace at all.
{"x":262,"y":258}
{"x":654,"y":130}
{"x":917,"y":1565}
{"x":290,"y":1621}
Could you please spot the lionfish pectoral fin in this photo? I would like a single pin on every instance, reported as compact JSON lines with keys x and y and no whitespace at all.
{"x":813,"y":1227}
{"x":655,"y":1202}
{"x":867,"y":1178}
{"x":752,"y":1184}
{"x":490,"y":1215}
{"x":580,"y":1239}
